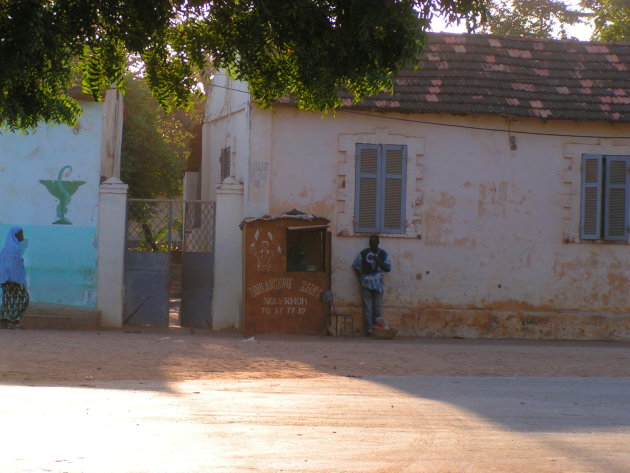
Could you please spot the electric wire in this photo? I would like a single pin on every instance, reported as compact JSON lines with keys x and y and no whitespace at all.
{"x":452,"y":125}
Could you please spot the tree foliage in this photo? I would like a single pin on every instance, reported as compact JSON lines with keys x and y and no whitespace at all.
{"x":155,"y":145}
{"x":531,"y":18}
{"x":307,"y":48}
{"x":611,"y":19}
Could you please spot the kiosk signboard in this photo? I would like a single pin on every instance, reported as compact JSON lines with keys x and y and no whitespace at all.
{"x":287,"y":267}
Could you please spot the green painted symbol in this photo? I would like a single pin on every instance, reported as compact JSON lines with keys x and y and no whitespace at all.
{"x":63,"y":191}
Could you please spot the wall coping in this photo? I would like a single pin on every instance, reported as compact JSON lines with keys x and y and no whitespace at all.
{"x":231,"y":185}
{"x":113,"y":185}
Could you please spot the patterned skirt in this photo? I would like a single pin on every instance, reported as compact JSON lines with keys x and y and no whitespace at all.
{"x":14,"y":302}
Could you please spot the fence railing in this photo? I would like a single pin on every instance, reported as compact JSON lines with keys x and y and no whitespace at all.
{"x":170,"y":225}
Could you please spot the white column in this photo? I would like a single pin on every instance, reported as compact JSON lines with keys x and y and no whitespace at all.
{"x":227,"y":292}
{"x":111,"y":251}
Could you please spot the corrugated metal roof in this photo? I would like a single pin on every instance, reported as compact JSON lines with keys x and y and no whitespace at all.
{"x":522,"y":77}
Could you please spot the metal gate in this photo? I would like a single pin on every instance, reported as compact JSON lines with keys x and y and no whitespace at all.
{"x":170,"y":245}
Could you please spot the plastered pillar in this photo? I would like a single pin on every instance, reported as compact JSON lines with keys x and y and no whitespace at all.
{"x":111,"y":140}
{"x":111,"y":251}
{"x":227,"y":292}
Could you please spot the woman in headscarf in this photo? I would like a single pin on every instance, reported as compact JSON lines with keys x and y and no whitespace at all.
{"x":13,"y":280}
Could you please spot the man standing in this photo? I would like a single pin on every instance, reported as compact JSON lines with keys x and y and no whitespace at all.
{"x":370,"y":264}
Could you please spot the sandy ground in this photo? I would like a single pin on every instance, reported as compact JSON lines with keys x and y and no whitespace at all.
{"x":188,"y":401}
{"x":180,"y":354}
{"x":143,"y":354}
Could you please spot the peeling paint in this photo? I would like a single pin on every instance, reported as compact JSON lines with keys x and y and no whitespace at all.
{"x":512,"y":324}
{"x":446,"y":200}
{"x":437,"y":227}
{"x":465,"y":242}
{"x":618,"y":282}
{"x":492,"y":198}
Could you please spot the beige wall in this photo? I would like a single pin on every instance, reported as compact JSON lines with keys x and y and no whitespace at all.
{"x":492,"y":239}
{"x":492,"y":243}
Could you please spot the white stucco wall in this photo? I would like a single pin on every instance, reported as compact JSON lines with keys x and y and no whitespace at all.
{"x":489,"y":228}
{"x":492,"y":243}
{"x":226,"y":124}
{"x":61,"y":258}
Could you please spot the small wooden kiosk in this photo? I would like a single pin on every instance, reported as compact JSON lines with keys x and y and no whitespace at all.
{"x":287,"y":266}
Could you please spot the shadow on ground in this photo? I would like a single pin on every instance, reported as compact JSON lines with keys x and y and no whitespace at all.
{"x":551,"y":375}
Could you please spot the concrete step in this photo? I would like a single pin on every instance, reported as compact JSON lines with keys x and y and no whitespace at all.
{"x":54,"y":316}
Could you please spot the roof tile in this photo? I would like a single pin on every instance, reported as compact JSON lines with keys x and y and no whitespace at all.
{"x":521,"y":77}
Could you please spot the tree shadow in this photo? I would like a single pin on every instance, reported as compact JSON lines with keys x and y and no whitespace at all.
{"x":522,"y":386}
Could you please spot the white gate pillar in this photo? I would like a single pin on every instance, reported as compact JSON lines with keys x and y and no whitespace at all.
{"x":111,"y":251}
{"x":227,"y":292}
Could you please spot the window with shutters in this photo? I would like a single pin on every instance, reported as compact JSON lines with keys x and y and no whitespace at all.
{"x":605,"y":194}
{"x":380,"y":188}
{"x":225,"y":163}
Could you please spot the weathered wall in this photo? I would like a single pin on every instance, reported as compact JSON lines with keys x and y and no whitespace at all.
{"x":492,"y":244}
{"x":226,"y":124}
{"x":61,"y":258}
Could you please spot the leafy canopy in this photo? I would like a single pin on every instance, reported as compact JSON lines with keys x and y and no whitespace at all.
{"x":611,"y":19}
{"x":306,"y":48}
{"x":531,"y":18}
{"x":155,"y":145}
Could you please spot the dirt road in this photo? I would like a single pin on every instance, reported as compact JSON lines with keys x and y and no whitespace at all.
{"x":74,"y":357}
{"x":173,"y":401}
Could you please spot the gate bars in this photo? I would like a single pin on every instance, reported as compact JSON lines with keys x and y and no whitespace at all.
{"x":170,"y":225}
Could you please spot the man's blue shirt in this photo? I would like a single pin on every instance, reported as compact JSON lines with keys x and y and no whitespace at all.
{"x":371,"y":274}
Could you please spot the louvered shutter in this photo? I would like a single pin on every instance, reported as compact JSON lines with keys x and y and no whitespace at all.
{"x":616,"y":203}
{"x":394,"y":165}
{"x":367,"y":196}
{"x":590,"y":224}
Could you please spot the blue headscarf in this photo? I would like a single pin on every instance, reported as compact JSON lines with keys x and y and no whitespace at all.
{"x":11,"y":262}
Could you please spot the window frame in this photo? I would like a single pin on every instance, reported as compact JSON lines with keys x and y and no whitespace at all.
{"x":600,"y":203}
{"x":382,"y":178}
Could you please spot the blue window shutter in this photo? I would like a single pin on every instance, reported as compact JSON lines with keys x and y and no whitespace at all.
{"x":367,"y":191}
{"x":591,"y":207}
{"x":394,"y":172}
{"x":616,"y":199}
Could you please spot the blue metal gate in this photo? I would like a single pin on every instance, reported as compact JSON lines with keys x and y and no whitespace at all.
{"x":197,"y":265}
{"x":162,"y":234}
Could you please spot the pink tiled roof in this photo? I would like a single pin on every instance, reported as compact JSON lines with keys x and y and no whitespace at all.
{"x":521,"y":77}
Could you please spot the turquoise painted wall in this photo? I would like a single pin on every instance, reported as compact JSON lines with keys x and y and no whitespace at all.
{"x":60,"y":259}
{"x":60,"y":263}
